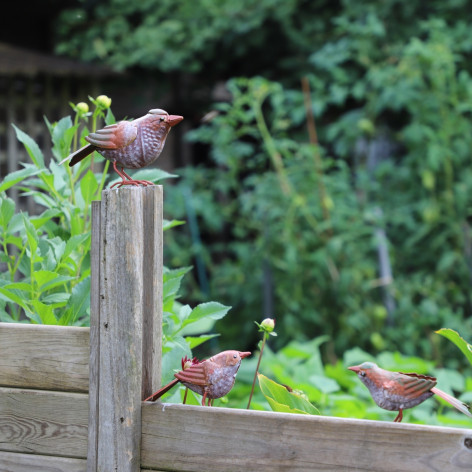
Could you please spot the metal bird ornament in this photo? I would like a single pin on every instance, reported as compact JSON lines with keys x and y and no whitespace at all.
{"x":397,"y":391}
{"x":212,"y":378}
{"x":130,"y":144}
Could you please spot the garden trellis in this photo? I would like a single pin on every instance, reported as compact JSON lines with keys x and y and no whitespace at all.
{"x":71,"y":398}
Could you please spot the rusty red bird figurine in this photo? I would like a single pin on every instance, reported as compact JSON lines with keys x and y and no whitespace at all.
{"x":397,"y":391}
{"x":130,"y":144}
{"x":212,"y":378}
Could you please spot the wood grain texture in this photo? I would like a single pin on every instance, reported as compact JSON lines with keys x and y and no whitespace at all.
{"x":197,"y":439}
{"x":94,"y":361}
{"x":44,"y":423}
{"x":44,"y":357}
{"x":121,"y":287}
{"x":152,"y":289}
{"x":127,"y":299}
{"x":13,"y":462}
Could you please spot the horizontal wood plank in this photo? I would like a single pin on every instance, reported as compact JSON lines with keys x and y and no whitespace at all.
{"x":44,"y":357}
{"x":196,"y":439}
{"x":43,"y":422}
{"x":14,"y":462}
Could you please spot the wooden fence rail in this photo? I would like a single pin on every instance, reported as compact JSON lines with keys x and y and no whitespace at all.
{"x":52,"y":418}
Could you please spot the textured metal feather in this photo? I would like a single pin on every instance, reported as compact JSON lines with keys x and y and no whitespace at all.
{"x":195,"y":374}
{"x":116,"y":136}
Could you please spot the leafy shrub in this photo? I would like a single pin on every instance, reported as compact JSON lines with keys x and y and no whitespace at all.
{"x":47,"y":256}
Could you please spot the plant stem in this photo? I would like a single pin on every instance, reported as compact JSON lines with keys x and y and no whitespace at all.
{"x":313,"y":135}
{"x":264,"y":339}
{"x":272,"y":149}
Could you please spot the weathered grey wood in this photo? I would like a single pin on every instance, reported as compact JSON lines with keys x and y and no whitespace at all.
{"x":14,"y":462}
{"x":198,"y":439}
{"x":94,"y":365}
{"x":43,"y":422}
{"x":152,"y":289}
{"x":129,"y":319}
{"x":44,"y":357}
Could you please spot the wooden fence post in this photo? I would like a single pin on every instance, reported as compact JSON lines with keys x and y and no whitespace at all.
{"x":126,"y":322}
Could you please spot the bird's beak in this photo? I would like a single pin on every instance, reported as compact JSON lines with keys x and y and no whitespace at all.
{"x":242,"y":355}
{"x":172,"y":120}
{"x":354,"y":368}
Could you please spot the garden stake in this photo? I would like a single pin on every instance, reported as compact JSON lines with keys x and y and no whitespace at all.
{"x":130,"y":144}
{"x":397,"y":391}
{"x":212,"y":378}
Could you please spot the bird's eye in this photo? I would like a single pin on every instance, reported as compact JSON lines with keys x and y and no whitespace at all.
{"x":362,"y":373}
{"x":235,"y":356}
{"x":162,"y":118}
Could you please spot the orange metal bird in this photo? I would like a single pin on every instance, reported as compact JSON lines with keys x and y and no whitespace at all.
{"x":130,"y":144}
{"x":397,"y":391}
{"x":212,"y":378}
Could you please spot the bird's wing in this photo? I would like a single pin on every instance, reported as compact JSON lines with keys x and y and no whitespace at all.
{"x":413,"y":385}
{"x":114,"y":136}
{"x":195,"y":374}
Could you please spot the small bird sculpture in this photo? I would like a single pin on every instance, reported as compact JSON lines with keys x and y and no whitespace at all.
{"x":212,"y":378}
{"x":129,"y":144}
{"x":397,"y":391}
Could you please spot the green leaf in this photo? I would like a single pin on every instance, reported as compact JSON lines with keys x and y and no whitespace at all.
{"x":12,"y":296}
{"x":79,"y":302}
{"x":58,"y":280}
{"x":194,"y":341}
{"x":56,"y":298}
{"x":460,"y":342}
{"x":212,"y":310}
{"x":45,"y":312}
{"x":14,"y":177}
{"x":281,"y":400}
{"x":172,"y":279}
{"x":168,"y":224}
{"x":74,"y":242}
{"x":31,"y":235}
{"x":7,"y":210}
{"x":88,"y":187}
{"x":31,"y":147}
{"x":43,"y":277}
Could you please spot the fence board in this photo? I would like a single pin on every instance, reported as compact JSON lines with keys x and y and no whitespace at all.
{"x":196,"y":439}
{"x":13,"y":462}
{"x":44,"y":357}
{"x":43,"y":422}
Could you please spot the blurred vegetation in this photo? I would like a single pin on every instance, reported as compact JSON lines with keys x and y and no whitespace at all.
{"x":351,"y":229}
{"x":358,"y":228}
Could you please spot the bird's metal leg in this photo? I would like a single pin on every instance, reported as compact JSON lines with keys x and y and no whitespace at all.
{"x":127,"y":180}
{"x":399,"y":417}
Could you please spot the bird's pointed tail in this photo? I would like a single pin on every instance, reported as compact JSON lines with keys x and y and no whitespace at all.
{"x":161,"y":391}
{"x":78,"y":155}
{"x":462,"y":407}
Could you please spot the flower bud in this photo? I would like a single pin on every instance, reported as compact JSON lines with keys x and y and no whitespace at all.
{"x":103,"y":102}
{"x":82,"y":108}
{"x":268,"y":325}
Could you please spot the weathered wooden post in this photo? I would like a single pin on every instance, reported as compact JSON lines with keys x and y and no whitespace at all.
{"x":126,"y":322}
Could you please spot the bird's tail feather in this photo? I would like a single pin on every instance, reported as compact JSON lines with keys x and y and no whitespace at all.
{"x":78,"y":155}
{"x":462,"y":407}
{"x":161,"y":391}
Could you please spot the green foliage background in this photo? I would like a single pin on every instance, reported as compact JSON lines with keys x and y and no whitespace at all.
{"x":270,"y":209}
{"x":391,"y":95}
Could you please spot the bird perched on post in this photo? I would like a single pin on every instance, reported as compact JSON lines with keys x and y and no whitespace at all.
{"x":397,"y":391}
{"x":212,"y":378}
{"x":130,"y":144}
